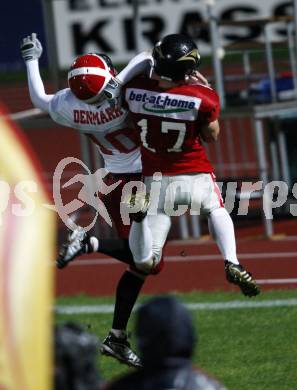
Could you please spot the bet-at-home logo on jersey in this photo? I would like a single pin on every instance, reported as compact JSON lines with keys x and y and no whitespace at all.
{"x":167,"y":105}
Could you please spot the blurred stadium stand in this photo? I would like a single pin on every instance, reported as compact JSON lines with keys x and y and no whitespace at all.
{"x":26,"y":17}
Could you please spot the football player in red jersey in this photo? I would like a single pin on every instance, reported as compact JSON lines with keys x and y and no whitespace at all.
{"x":173,"y":118}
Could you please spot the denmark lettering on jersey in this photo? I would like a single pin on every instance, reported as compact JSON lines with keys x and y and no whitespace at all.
{"x":163,"y":104}
{"x":86,"y":117}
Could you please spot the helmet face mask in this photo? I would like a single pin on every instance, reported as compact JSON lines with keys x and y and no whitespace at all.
{"x":91,"y":79}
{"x":175,"y":57}
{"x":111,"y":90}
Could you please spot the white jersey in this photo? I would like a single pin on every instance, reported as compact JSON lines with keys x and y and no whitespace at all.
{"x":108,"y":126}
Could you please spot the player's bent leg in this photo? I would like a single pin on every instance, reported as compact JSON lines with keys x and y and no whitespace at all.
{"x":147,"y":239}
{"x":79,"y":242}
{"x":116,"y":248}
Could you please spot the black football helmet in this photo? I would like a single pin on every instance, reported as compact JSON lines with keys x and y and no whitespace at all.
{"x":175,"y":56}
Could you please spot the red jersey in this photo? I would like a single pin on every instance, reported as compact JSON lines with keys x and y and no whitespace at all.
{"x":169,"y":122}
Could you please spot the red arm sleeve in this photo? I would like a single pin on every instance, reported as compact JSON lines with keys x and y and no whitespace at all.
{"x":209,"y":109}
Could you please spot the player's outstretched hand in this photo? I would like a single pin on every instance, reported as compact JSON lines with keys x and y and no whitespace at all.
{"x":31,"y":48}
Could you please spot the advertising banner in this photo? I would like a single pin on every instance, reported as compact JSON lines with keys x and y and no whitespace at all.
{"x":107,"y":25}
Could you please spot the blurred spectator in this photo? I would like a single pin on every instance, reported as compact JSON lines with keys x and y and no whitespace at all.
{"x":166,"y":340}
{"x":75,"y":359}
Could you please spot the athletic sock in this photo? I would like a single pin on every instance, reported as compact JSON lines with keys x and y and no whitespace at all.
{"x":117,"y":248}
{"x":140,"y":241}
{"x":93,"y":244}
{"x":119,"y":333}
{"x":222,"y":229}
{"x":127,"y":292}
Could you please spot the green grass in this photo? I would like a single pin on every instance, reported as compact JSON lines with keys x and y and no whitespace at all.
{"x":246,"y":349}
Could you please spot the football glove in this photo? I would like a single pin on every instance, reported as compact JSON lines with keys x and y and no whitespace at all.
{"x":31,"y":48}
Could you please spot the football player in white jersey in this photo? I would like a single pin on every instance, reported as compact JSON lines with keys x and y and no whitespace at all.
{"x":90,"y":105}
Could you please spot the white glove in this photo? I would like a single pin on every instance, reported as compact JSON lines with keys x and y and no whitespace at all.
{"x":31,"y":48}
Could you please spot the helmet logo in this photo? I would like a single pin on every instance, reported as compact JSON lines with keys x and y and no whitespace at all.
{"x":158,"y":50}
{"x":192,"y":56}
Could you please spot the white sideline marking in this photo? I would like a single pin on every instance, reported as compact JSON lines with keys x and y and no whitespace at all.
{"x":277,"y":281}
{"x":31,"y":113}
{"x":106,"y":309}
{"x":206,"y":240}
{"x":248,"y":256}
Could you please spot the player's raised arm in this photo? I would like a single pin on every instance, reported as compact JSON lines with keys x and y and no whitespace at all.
{"x":31,"y":50}
{"x":139,"y":64}
{"x":210,"y":132}
{"x":209,"y":115}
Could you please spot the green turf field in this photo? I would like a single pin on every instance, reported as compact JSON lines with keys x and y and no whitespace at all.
{"x":247,"y":348}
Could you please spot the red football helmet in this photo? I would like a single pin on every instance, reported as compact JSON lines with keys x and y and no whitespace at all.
{"x":91,"y":78}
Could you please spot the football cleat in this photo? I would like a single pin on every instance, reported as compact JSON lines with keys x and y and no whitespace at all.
{"x":137,"y":206}
{"x":120,"y":349}
{"x":76,"y":245}
{"x":236,"y":274}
